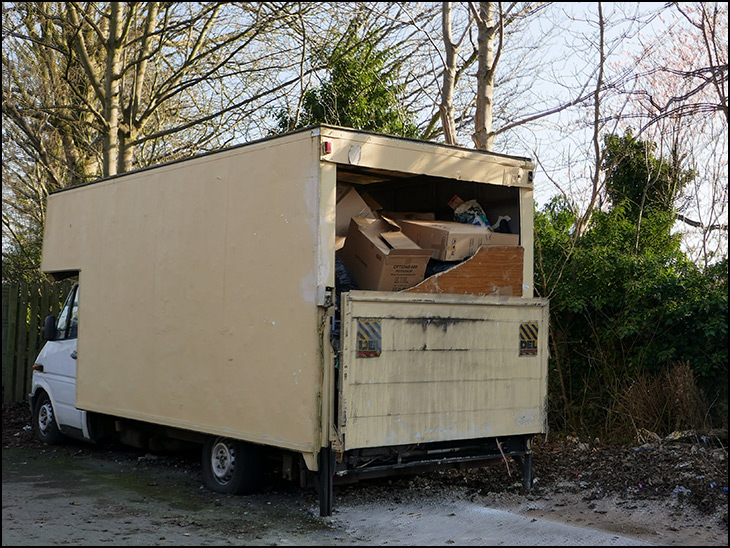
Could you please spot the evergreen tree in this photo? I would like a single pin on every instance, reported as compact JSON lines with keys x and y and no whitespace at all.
{"x":361,"y":90}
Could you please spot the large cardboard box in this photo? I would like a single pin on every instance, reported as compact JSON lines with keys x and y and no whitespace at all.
{"x":381,"y":258}
{"x":451,"y":241}
{"x":349,"y":204}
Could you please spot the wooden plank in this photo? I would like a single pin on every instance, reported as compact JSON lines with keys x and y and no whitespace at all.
{"x":56,"y":298}
{"x":33,"y":334}
{"x":22,"y":341}
{"x":45,"y":304}
{"x":6,"y":346}
{"x":492,"y":270}
{"x":9,"y":349}
{"x":6,"y":295}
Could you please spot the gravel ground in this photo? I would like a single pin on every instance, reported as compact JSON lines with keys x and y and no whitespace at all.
{"x":667,"y":492}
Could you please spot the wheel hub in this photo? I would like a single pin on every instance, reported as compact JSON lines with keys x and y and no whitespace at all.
{"x":45,"y":416}
{"x":223,"y":459}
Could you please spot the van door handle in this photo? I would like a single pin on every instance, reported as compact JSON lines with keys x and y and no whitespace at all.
{"x":73,"y":354}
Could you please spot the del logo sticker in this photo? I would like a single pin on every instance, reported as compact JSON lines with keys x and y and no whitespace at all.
{"x":369,"y":340}
{"x":528,"y":339}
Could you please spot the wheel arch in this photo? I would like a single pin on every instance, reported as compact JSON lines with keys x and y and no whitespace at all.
{"x":42,"y":387}
{"x":39,"y":388}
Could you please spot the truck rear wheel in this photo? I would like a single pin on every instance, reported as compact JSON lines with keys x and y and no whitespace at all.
{"x":231,"y":466}
{"x":44,"y":423}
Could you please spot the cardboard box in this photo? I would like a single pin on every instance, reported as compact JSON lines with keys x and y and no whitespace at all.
{"x":381,"y":258}
{"x":451,"y":241}
{"x":409,"y":215}
{"x":349,"y":204}
{"x":497,"y":238}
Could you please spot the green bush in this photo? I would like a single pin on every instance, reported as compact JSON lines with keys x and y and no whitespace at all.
{"x":626,"y":307}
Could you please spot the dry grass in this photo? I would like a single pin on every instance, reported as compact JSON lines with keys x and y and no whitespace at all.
{"x":662,"y":404}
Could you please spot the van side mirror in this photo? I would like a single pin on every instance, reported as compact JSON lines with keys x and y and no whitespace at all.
{"x":49,"y":328}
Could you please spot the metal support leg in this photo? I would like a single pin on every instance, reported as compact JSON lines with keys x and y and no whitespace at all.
{"x":325,"y":481}
{"x":525,"y":464}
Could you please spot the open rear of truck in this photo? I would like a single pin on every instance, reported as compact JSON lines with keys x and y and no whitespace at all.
{"x":451,"y":371}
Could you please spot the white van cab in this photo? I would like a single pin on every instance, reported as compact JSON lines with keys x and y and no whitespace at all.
{"x":53,"y":392}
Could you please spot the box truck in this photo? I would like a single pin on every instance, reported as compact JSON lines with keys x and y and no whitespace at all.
{"x":210,"y":307}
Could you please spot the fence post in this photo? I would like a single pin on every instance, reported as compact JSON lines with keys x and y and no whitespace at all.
{"x":34,"y":331}
{"x":10,"y":346}
{"x":6,"y":298}
{"x":21,"y":352}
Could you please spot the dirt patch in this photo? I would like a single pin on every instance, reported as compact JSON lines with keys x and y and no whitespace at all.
{"x":668,"y":492}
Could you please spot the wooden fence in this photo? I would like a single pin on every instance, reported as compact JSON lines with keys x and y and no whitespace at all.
{"x":25,"y":307}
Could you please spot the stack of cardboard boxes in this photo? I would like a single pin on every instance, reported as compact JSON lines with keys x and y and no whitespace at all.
{"x":390,"y":251}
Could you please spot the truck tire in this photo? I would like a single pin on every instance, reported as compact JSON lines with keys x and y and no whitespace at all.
{"x":44,"y":421}
{"x":231,"y":466}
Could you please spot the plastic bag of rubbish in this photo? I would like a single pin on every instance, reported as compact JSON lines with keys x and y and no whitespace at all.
{"x":435,"y":266}
{"x":469,"y":212}
{"x":343,"y":280}
{"x":502,"y":224}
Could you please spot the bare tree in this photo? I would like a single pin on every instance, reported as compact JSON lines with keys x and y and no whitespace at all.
{"x":451,"y":48}
{"x":94,"y":89}
{"x":490,"y":36}
{"x":691,"y":73}
{"x":143,"y":71}
{"x":492,"y":23}
{"x":679,"y":101}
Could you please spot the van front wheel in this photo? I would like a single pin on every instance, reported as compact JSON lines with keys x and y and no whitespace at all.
{"x":46,"y":429}
{"x":231,"y":466}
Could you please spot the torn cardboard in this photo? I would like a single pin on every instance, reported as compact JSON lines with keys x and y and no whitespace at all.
{"x":493,"y":270}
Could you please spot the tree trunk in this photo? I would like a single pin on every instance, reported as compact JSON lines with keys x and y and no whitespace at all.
{"x":111,"y":92}
{"x":449,"y":82}
{"x":125,"y":157}
{"x":483,"y":136}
